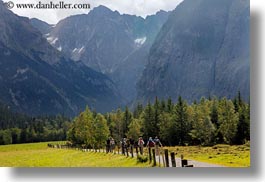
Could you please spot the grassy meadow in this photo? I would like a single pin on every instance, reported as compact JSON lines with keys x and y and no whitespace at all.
{"x":225,"y":155}
{"x":39,"y":155}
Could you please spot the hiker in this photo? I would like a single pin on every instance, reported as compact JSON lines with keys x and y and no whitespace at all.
{"x":124,"y":145}
{"x":131,"y":141}
{"x":157,"y":145}
{"x":150,"y":143}
{"x":112,"y":144}
{"x":108,"y":145}
{"x":141,"y":145}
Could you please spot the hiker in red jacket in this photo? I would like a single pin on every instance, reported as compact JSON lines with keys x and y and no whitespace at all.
{"x":141,"y":145}
{"x":150,"y":143}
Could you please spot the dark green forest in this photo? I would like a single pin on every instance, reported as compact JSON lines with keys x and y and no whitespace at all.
{"x":20,"y":128}
{"x":206,"y":122}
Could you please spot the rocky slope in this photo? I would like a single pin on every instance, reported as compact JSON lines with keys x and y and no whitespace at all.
{"x":37,"y":79}
{"x":202,"y":50}
{"x":114,"y":44}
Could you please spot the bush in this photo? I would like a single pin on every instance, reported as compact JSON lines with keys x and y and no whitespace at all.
{"x":142,"y":158}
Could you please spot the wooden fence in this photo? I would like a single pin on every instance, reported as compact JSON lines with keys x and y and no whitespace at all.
{"x":156,"y":155}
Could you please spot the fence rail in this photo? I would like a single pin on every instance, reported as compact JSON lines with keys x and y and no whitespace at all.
{"x":156,"y":155}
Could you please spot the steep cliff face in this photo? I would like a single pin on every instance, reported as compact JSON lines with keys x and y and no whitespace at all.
{"x":36,"y":79}
{"x":202,"y":50}
{"x":114,"y":44}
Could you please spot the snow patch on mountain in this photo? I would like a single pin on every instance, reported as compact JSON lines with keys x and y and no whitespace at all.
{"x":52,"y":40}
{"x":140,"y":41}
{"x":59,"y":48}
{"x":77,"y":52}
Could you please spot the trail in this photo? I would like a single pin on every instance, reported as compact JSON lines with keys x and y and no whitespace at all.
{"x":190,"y":162}
{"x":178,"y":161}
{"x":160,"y":160}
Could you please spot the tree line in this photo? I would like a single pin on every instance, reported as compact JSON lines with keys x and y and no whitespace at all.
{"x":207,"y":122}
{"x":20,"y":128}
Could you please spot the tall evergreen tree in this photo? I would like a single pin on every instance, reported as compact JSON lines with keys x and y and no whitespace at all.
{"x":138,"y":110}
{"x":181,"y":122}
{"x":148,"y":121}
{"x":243,"y":127}
{"x":157,"y":112}
{"x":127,"y":118}
{"x":167,"y":129}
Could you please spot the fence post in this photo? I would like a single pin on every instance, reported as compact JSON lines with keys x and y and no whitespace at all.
{"x":127,"y":151}
{"x":154,"y":156}
{"x":166,"y":158}
{"x":136,"y":148}
{"x":184,"y":162}
{"x":132,"y":150}
{"x":150,"y":155}
{"x":173,"y":160}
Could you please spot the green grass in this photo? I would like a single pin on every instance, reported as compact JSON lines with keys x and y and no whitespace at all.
{"x":39,"y":155}
{"x":226,"y":155}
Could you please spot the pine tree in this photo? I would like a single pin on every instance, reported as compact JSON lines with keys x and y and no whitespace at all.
{"x":157,"y":111}
{"x":167,"y":129}
{"x":181,"y":122}
{"x":138,"y":110}
{"x":127,"y":118}
{"x":148,"y":121}
{"x":170,"y":105}
{"x":243,"y":127}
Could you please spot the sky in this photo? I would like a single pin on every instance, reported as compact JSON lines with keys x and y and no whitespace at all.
{"x":133,"y":7}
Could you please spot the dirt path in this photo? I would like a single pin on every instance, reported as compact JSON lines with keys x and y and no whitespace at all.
{"x":190,"y":162}
{"x":178,"y":161}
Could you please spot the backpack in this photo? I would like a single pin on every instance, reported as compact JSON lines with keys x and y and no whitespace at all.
{"x":151,"y":144}
{"x":141,"y":142}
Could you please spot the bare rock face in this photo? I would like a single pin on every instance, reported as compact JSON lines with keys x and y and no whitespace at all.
{"x":37,"y":79}
{"x":202,"y":50}
{"x":113,"y":44}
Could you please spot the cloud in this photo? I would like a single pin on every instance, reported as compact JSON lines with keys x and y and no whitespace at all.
{"x":134,"y":7}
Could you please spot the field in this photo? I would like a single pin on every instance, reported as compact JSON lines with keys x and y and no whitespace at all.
{"x":39,"y":155}
{"x":225,"y":155}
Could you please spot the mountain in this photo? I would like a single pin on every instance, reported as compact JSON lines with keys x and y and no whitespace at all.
{"x":202,"y":50}
{"x":37,"y":79}
{"x":42,"y":26}
{"x":114,"y":44}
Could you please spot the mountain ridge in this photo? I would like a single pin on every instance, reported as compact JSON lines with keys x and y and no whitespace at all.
{"x":37,"y":79}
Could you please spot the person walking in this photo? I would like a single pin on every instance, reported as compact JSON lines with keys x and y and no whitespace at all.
{"x":150,"y":143}
{"x":157,"y":145}
{"x":112,"y":144}
{"x":108,"y":145}
{"x":141,"y":145}
{"x":124,"y":146}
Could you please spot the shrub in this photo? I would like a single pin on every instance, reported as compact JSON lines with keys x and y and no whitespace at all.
{"x":142,"y":158}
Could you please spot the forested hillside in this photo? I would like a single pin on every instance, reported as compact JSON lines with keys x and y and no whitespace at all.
{"x":20,"y":128}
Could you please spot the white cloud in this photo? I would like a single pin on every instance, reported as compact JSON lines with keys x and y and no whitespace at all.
{"x":135,"y":7}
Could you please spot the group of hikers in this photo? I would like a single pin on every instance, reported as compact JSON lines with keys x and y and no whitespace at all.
{"x":127,"y":145}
